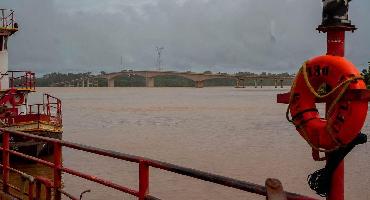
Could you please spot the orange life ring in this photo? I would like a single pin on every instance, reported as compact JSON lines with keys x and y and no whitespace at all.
{"x":332,"y":75}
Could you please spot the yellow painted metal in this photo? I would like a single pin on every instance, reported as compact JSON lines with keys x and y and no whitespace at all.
{"x":20,"y":89}
{"x":36,"y":126}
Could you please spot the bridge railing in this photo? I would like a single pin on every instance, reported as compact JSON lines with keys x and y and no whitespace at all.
{"x":144,"y":165}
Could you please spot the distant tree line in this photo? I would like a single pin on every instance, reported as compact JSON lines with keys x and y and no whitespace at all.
{"x":366,"y":74}
{"x":53,"y":78}
{"x":56,"y":79}
{"x":285,"y":74}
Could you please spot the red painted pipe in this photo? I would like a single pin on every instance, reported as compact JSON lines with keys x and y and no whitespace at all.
{"x":30,"y":190}
{"x":6,"y":166}
{"x":57,"y":170}
{"x":336,"y":42}
{"x":143,"y":180}
{"x":38,"y":190}
{"x":336,"y":47}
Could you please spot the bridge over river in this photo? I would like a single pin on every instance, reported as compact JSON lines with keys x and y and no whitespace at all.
{"x":198,"y":78}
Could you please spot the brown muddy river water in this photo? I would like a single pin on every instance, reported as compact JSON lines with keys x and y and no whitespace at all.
{"x":240,"y":133}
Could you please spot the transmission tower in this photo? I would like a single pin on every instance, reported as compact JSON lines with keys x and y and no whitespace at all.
{"x":122,"y":66}
{"x":159,"y":55}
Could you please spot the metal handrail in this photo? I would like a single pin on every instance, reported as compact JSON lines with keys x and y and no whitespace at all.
{"x":144,"y":165}
{"x":52,"y":102}
{"x":26,"y":81}
{"x":51,"y":106}
{"x":24,"y":177}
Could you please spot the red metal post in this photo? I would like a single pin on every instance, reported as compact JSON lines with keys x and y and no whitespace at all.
{"x":143,"y":180}
{"x":47,"y":184}
{"x":38,"y":190}
{"x":30,"y":189}
{"x":59,"y":103}
{"x":6,"y":164}
{"x":336,"y":47}
{"x":27,"y":80}
{"x":57,"y":170}
{"x":48,"y":105}
{"x":48,"y":193}
{"x":337,"y":184}
{"x":33,"y":81}
{"x":336,"y":42}
{"x":30,"y":80}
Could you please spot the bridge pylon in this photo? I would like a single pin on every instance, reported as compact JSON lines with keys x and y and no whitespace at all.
{"x":199,"y":84}
{"x":111,"y":82}
{"x":240,"y":83}
{"x":149,"y":81}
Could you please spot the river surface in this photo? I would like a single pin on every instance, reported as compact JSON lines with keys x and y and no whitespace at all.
{"x":240,"y":133}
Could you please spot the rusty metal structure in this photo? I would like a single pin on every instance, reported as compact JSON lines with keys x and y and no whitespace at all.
{"x":44,"y":119}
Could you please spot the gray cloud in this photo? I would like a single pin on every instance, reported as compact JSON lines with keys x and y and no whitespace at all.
{"x":217,"y":35}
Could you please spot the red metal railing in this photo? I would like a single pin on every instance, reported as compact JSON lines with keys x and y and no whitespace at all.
{"x":144,"y":167}
{"x":51,"y":106}
{"x":7,"y":18}
{"x":48,"y":111}
{"x":22,"y":79}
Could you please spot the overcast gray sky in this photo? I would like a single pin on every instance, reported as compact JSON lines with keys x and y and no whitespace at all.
{"x":198,"y":35}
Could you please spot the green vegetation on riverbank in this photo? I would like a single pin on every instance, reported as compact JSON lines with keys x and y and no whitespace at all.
{"x":366,"y":74}
{"x":56,"y":79}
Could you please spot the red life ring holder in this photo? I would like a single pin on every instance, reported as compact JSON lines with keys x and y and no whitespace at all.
{"x":332,"y":75}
